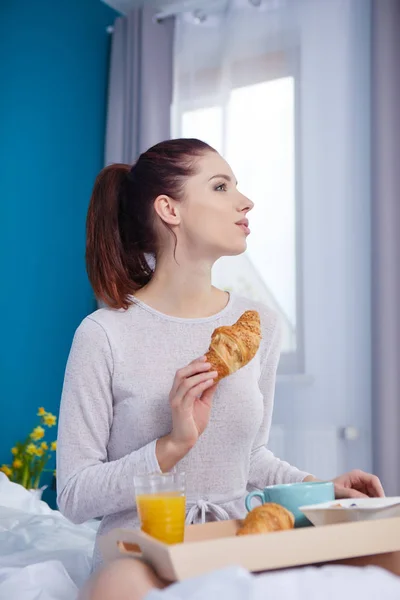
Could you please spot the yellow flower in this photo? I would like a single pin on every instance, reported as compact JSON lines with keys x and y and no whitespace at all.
{"x":37,"y":433}
{"x":31,"y":449}
{"x":14,"y":451}
{"x":41,"y":412}
{"x":17,"y":464}
{"x":49,"y":419}
{"x":39,"y":452}
{"x":44,"y":446}
{"x":6,"y":469}
{"x":54,"y":473}
{"x":54,"y":446}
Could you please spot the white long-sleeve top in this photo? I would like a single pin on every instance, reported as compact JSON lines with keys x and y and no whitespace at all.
{"x":115,"y":406}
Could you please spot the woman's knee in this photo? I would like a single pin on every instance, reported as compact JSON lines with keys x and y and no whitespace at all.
{"x":123,"y":579}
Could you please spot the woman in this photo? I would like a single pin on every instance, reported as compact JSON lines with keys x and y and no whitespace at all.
{"x":136,"y":397}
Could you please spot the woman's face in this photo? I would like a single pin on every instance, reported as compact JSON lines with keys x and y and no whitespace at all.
{"x":213,"y":216}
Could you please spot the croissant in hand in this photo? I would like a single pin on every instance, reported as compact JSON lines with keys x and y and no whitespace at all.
{"x":232,"y":347}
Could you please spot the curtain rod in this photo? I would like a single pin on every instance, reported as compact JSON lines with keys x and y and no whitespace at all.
{"x":192,"y":6}
{"x":197,"y":7}
{"x":201,"y":8}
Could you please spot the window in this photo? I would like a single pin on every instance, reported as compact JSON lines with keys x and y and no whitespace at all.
{"x":254,"y":127}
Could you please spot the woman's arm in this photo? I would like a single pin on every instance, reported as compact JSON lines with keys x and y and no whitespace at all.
{"x":88,"y":485}
{"x":265,"y":468}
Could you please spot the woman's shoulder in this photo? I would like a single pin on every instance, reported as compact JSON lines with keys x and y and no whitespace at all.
{"x":104,"y":321}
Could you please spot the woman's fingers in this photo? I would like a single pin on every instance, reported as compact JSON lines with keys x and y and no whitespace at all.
{"x":366,"y":483}
{"x":197,"y":366}
{"x":197,"y":392}
{"x":207,"y":396}
{"x":374,"y":486}
{"x":190,"y":385}
{"x":341,"y":493}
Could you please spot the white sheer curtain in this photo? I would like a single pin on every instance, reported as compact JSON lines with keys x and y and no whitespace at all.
{"x":229,"y":58}
{"x":140,"y":85}
{"x":282,"y":88}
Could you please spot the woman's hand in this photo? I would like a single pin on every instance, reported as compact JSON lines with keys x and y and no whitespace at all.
{"x":355,"y":484}
{"x":358,"y":484}
{"x":191,"y":400}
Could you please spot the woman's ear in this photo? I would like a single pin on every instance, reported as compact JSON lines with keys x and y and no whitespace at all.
{"x":167,"y":209}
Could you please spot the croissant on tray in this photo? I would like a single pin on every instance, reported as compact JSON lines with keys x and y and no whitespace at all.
{"x":266,"y":518}
{"x":233,"y":346}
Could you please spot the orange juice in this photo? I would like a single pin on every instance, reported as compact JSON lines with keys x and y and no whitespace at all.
{"x":162,"y":515}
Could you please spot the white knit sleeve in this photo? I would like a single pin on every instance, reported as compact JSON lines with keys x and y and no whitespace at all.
{"x":89,"y":486}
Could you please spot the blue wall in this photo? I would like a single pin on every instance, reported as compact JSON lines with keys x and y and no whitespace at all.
{"x":53,"y":77}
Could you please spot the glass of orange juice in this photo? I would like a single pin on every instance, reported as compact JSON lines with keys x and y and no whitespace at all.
{"x":161,"y":503}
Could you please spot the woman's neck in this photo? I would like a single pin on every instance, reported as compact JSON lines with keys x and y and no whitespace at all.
{"x":183,"y":290}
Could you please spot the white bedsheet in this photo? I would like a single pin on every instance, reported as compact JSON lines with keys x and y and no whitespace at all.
{"x":40,"y":581}
{"x":311,"y":583}
{"x":45,"y":557}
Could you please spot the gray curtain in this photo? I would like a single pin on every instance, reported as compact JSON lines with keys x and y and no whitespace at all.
{"x":140,"y":85}
{"x":386,"y":240}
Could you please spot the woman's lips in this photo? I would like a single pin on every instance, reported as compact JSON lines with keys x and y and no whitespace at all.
{"x":244,"y":228}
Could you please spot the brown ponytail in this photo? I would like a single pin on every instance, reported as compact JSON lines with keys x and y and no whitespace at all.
{"x":120,"y":222}
{"x":114,"y":272}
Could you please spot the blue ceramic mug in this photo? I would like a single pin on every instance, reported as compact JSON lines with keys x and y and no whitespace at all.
{"x":293,"y":495}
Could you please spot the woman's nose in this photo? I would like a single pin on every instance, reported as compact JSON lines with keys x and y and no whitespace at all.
{"x":247,"y":204}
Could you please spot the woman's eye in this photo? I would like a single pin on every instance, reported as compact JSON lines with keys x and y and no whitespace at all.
{"x":222,"y":187}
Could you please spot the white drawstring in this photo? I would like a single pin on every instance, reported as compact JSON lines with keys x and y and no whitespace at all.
{"x":197,"y":512}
